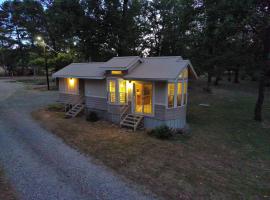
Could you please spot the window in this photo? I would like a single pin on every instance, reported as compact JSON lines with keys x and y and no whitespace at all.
{"x":185,"y":92}
{"x":117,"y":91}
{"x":184,"y":74}
{"x":179,"y":93}
{"x":171,"y":95}
{"x":122,"y":91}
{"x":112,"y":89}
{"x":116,"y":72}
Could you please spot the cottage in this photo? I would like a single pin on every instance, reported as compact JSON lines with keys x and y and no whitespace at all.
{"x":130,"y":91}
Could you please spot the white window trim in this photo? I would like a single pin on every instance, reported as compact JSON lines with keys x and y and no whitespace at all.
{"x":117,"y":102}
{"x":185,"y":80}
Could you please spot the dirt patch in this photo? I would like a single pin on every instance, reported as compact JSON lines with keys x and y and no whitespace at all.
{"x":201,"y":167}
{"x":6,"y":192}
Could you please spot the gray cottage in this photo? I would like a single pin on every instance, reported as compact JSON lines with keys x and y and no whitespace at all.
{"x":130,"y":91}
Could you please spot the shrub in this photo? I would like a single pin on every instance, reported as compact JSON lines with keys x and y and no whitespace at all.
{"x":92,"y":116}
{"x":162,"y":132}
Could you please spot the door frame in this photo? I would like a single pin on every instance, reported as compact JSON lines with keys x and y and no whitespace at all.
{"x":133,"y":101}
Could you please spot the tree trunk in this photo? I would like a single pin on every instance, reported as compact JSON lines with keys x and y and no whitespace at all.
{"x":217,"y":80}
{"x":236,"y":76}
{"x":260,"y":99}
{"x":122,"y":36}
{"x":209,"y":78}
{"x":265,"y":68}
{"x":229,"y":76}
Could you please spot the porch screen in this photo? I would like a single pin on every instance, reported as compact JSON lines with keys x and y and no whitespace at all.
{"x":170,"y":95}
{"x":112,"y":93}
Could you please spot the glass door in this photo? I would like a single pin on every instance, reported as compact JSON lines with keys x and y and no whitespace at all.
{"x":143,"y":98}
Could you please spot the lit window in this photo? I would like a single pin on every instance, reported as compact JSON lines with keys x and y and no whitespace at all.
{"x":116,"y":72}
{"x":112,"y":93}
{"x":122,"y":91}
{"x":179,"y":94}
{"x":184,"y":74}
{"x":171,"y":95}
{"x":185,"y":92}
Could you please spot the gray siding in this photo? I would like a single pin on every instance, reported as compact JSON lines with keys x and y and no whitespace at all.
{"x":150,"y":123}
{"x":96,"y":102}
{"x":163,"y":113}
{"x":114,"y":112}
{"x":114,"y":109}
{"x":173,"y":117}
{"x":68,"y":98}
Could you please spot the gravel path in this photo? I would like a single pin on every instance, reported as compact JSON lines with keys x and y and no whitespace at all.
{"x":39,"y":165}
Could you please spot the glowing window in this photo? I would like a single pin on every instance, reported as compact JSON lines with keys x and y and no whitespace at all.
{"x":112,"y":93}
{"x":122,"y":91}
{"x":171,"y":95}
{"x":179,"y":93}
{"x":184,"y":74}
{"x":116,"y":72}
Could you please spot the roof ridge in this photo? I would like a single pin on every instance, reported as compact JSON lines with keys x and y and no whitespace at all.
{"x":162,"y":57}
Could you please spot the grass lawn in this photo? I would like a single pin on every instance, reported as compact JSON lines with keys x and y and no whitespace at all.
{"x":227,"y":156}
{"x":6,"y":192}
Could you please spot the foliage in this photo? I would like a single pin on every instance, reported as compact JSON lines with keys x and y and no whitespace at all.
{"x":162,"y":132}
{"x":92,"y":116}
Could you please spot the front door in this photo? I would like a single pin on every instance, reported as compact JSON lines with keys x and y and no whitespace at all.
{"x":143,"y":98}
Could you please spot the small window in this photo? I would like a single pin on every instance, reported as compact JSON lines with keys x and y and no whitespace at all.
{"x":116,"y":72}
{"x":112,"y":89}
{"x":179,"y":93}
{"x":171,"y":95}
{"x":185,"y":92}
{"x":184,"y":74}
{"x":122,"y":91}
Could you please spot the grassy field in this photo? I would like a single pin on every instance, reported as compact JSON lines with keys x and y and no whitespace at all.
{"x":6,"y":192}
{"x":227,"y":156}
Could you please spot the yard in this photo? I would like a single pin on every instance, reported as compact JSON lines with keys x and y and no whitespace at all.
{"x":6,"y":192}
{"x":226,"y":157}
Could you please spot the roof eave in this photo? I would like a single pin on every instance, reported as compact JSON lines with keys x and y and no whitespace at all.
{"x":79,"y":77}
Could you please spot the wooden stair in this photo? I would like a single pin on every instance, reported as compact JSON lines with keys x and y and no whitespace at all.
{"x":131,"y":121}
{"x":75,"y":110}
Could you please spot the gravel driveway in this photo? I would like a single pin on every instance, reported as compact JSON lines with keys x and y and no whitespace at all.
{"x":39,"y":165}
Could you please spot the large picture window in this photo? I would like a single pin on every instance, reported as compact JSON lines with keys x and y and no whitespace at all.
{"x":112,"y":91}
{"x":177,"y":92}
{"x":122,"y":91}
{"x":171,"y":87}
{"x":117,"y":91}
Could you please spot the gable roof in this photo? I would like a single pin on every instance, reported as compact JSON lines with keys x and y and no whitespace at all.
{"x":166,"y":68}
{"x":81,"y":70}
{"x":121,"y":63}
{"x":160,"y":68}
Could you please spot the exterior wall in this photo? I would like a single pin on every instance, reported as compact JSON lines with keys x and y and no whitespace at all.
{"x":172,"y":117}
{"x":160,"y":93}
{"x":95,"y":88}
{"x":68,"y":98}
{"x":63,"y":86}
{"x":114,"y":113}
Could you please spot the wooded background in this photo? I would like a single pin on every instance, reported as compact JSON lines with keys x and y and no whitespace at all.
{"x":220,"y":37}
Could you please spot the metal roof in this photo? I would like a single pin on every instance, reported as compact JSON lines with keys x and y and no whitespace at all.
{"x":121,"y":63}
{"x":81,"y":70}
{"x":160,"y":68}
{"x":151,"y":68}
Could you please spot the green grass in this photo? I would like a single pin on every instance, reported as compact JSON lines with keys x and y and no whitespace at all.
{"x":227,"y":155}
